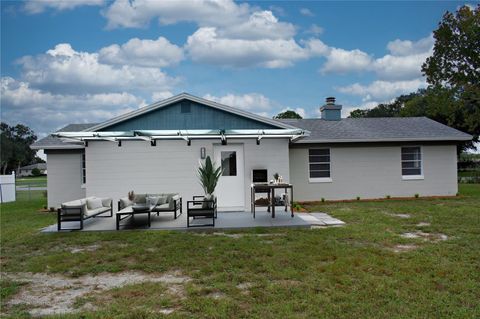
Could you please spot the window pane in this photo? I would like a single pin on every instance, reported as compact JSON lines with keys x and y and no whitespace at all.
{"x":314,"y":151}
{"x":319,"y":159}
{"x":319,"y":167}
{"x":411,"y":171}
{"x":319,"y":174}
{"x":229,"y":163}
{"x":411,"y":164}
{"x":411,"y":156}
{"x":415,"y":149}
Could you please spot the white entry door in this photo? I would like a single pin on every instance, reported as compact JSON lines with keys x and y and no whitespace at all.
{"x":230,"y":189}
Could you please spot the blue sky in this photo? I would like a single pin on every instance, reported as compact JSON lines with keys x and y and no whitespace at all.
{"x":89,"y":60}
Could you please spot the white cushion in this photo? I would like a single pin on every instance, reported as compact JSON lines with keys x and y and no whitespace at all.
{"x":106,"y":202}
{"x":152,"y":200}
{"x":125,"y":202}
{"x":94,"y":203}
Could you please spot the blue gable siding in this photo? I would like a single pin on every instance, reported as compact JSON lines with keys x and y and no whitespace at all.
{"x":174,"y":117}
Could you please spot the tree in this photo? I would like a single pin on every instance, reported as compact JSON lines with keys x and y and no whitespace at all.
{"x":455,"y":66}
{"x":288,"y":114}
{"x":455,"y":61}
{"x":15,"y":146}
{"x":387,"y":109}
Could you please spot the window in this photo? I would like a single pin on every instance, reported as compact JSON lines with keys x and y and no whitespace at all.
{"x":319,"y":164}
{"x":411,"y":162}
{"x":84,"y":169}
{"x":229,"y":163}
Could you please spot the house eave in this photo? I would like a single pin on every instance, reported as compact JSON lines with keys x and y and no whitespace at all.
{"x":57,"y":147}
{"x":373,"y":140}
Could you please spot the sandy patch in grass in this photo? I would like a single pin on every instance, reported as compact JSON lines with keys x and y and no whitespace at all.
{"x":49,"y":294}
{"x":76,"y":250}
{"x":216,"y":295}
{"x":403,"y":248}
{"x":423,"y":224}
{"x":403,"y":216}
{"x":245,"y":287}
{"x":432,"y":237}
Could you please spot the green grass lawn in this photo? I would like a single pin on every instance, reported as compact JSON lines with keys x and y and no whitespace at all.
{"x":341,"y":272}
{"x":32,"y":181}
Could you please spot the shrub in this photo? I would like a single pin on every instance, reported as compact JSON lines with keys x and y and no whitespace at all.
{"x":323,"y":200}
{"x":358,"y":197}
{"x":417,"y":195}
{"x":388,"y":196}
{"x":36,"y":172}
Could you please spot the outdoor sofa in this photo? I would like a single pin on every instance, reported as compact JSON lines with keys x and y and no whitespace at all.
{"x":202,"y":207}
{"x":158,"y":203}
{"x":82,"y":209}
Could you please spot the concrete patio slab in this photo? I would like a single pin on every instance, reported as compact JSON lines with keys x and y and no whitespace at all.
{"x":225,"y":220}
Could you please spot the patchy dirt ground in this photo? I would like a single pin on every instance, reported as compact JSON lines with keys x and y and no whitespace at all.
{"x":432,"y":237}
{"x":404,"y":248}
{"x":426,"y":237}
{"x":403,"y":216}
{"x":49,"y":294}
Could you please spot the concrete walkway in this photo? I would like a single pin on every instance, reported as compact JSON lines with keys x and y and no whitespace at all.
{"x":225,"y":220}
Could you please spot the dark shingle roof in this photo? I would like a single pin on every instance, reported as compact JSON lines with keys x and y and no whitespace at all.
{"x":51,"y":142}
{"x":376,"y":130}
{"x":41,"y":166}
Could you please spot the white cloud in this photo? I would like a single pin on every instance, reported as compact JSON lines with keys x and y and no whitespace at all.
{"x":403,"y":63}
{"x":306,"y":12}
{"x":232,"y":20}
{"x":206,"y":46}
{"x":392,"y":67}
{"x":139,"y":13}
{"x":44,"y":111}
{"x":63,"y":69}
{"x":146,"y":53}
{"x":260,"y":25}
{"x":406,"y":47}
{"x":161,"y":95}
{"x":342,"y":61}
{"x":315,"y":30}
{"x":253,"y":102}
{"x":39,"y":6}
{"x":229,"y":34}
{"x":383,"y":90}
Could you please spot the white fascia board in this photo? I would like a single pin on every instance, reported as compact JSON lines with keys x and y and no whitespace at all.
{"x":439,"y":139}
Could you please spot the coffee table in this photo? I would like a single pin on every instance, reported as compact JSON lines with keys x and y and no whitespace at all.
{"x":130,"y":212}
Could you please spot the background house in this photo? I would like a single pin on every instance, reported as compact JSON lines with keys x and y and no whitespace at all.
{"x":27,"y":170}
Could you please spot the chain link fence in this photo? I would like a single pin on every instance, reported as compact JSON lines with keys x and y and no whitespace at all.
{"x":31,"y":188}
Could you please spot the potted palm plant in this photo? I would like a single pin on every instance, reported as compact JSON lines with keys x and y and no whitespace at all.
{"x":208,"y":175}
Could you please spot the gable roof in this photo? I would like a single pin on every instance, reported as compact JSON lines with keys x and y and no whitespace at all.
{"x":186,"y":96}
{"x":40,"y":166}
{"x":51,"y":142}
{"x":391,"y":129}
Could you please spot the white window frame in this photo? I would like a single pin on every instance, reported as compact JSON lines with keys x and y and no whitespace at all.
{"x":412,"y":177}
{"x":319,"y":179}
